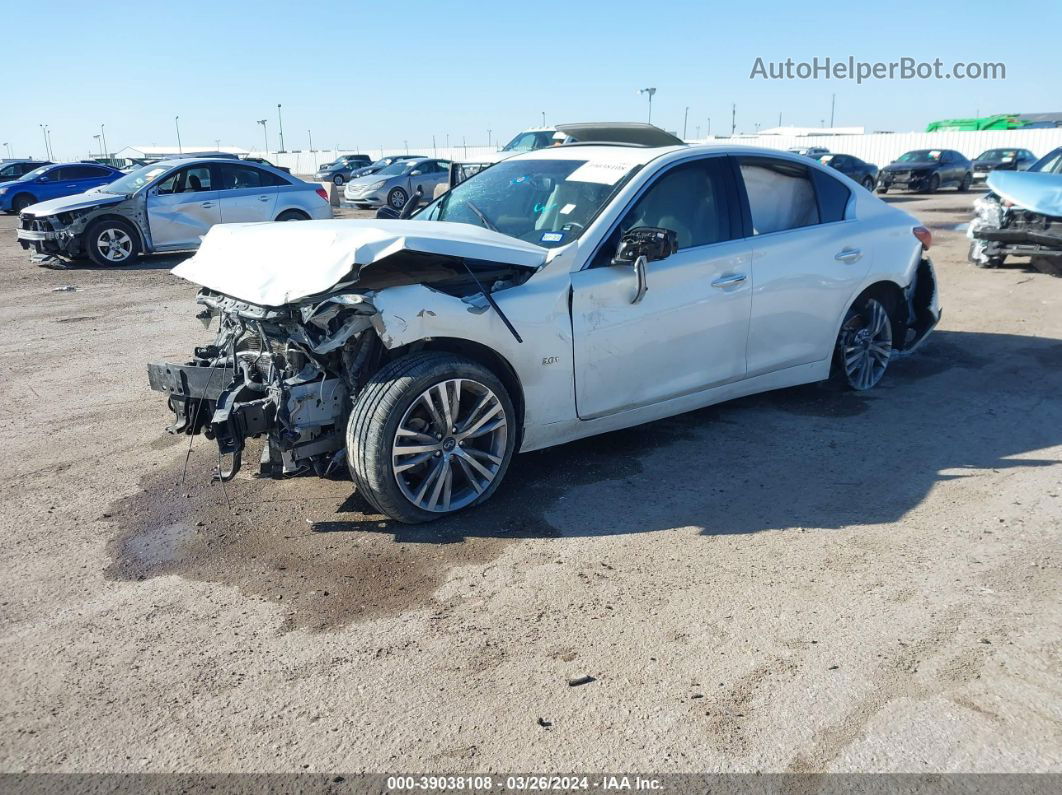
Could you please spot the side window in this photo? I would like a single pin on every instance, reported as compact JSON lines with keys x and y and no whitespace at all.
{"x":82,"y":172}
{"x":832,"y":197}
{"x":235,"y":177}
{"x":780,"y":193}
{"x":169,"y":184}
{"x":9,"y":171}
{"x":690,"y":200}
{"x":193,"y":180}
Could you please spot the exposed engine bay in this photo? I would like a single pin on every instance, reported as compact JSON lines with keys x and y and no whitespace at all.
{"x":290,"y":373}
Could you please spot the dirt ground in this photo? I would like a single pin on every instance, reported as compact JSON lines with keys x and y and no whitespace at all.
{"x":805,"y":580}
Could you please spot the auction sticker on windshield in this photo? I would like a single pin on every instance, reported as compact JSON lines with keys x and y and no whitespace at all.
{"x":601,"y":173}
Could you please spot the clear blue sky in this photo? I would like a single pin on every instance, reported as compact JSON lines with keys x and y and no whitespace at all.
{"x":370,"y":73}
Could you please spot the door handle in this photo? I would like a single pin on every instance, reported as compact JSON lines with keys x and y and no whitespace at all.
{"x":207,"y":205}
{"x":848,"y":256}
{"x":263,"y":198}
{"x":729,"y":281}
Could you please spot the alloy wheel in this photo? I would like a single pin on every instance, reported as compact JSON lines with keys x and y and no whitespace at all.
{"x":449,"y":445}
{"x":866,"y":345}
{"x":115,"y":245}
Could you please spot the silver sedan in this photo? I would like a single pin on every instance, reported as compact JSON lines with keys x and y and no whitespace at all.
{"x":166,"y":206}
{"x":394,"y":185}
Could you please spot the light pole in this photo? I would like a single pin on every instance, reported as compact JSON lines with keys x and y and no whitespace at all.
{"x":48,"y":135}
{"x":106,"y":151}
{"x":177,"y":126}
{"x":406,"y":144}
{"x":685,"y":119}
{"x":650,"y":92}
{"x":44,"y":134}
{"x":97,"y":137}
{"x":708,"y":132}
{"x":489,"y":131}
{"x":265,"y":134}
{"x":833,"y":105}
{"x":8,"y":147}
{"x":543,"y":118}
{"x":280,"y":129}
{"x":217,"y":144}
{"x":310,"y":136}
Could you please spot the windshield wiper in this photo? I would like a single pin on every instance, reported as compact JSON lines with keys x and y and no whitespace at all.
{"x":481,"y":216}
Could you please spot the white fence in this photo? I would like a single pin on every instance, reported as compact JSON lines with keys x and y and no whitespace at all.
{"x":878,"y":148}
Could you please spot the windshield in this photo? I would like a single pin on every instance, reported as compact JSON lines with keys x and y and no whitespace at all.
{"x":37,"y":172}
{"x":546,"y":202}
{"x":529,"y":141}
{"x":998,"y":154}
{"x":920,"y":156}
{"x":134,"y":180}
{"x":396,"y":168}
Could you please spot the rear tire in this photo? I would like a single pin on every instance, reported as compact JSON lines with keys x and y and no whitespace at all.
{"x":864,"y":345}
{"x":338,"y":180}
{"x":449,"y":468}
{"x":967,"y":181}
{"x":293,"y":215}
{"x":112,"y":243}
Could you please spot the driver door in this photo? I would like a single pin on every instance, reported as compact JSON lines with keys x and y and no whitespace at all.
{"x":690,"y":330}
{"x":182,"y":207}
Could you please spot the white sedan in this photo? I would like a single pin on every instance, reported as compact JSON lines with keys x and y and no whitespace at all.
{"x":558,"y":294}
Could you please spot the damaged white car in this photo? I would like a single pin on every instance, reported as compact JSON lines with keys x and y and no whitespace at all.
{"x":559,"y":294}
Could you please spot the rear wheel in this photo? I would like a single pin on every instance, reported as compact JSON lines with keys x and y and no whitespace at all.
{"x":293,"y":215}
{"x":430,"y":434}
{"x":21,"y":202}
{"x":337,"y":180}
{"x":967,"y":181}
{"x":864,"y":345}
{"x":112,"y":243}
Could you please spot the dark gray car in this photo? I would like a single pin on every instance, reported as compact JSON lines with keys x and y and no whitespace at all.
{"x":339,"y":170}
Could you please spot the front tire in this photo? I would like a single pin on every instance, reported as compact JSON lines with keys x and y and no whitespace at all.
{"x":1052,"y":266}
{"x":112,"y":243}
{"x":293,"y":215}
{"x":397,"y":198}
{"x":430,"y":434}
{"x":21,"y":202}
{"x":967,"y":181}
{"x":338,"y":180}
{"x":933,"y":185}
{"x":864,"y":345}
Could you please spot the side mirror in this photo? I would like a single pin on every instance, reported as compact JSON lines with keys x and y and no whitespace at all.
{"x":642,"y":245}
{"x":416,"y":173}
{"x":45,"y":178}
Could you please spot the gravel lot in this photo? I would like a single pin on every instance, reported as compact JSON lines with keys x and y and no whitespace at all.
{"x":806,"y":580}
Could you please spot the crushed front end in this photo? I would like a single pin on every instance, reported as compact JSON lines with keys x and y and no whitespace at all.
{"x":1001,"y":229}
{"x":53,"y":234}
{"x":286,"y":374}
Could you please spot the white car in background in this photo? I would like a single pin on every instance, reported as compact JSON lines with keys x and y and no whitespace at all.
{"x":561,"y":293}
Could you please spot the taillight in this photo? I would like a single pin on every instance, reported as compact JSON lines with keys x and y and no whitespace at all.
{"x":924,"y":236}
{"x":322,"y":193}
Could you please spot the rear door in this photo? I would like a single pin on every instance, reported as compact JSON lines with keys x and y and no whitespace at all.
{"x":182,"y":207}
{"x":689,"y":331}
{"x":808,"y":257}
{"x":248,"y":193}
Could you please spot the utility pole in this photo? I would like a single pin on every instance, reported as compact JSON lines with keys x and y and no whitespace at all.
{"x":543,"y":118}
{"x":685,"y":119}
{"x":779,"y":118}
{"x":217,"y":144}
{"x":489,"y":131}
{"x":44,"y":134}
{"x":406,"y":145}
{"x":106,"y":151}
{"x":8,"y":147}
{"x":650,"y":92}
{"x":177,"y":124}
{"x":434,"y":151}
{"x":97,"y":137}
{"x":733,"y":118}
{"x":280,"y":129}
{"x":48,"y":134}
{"x":310,"y":136}
{"x":265,"y":135}
{"x":833,"y":104}
{"x":708,"y":133}
{"x":464,"y":143}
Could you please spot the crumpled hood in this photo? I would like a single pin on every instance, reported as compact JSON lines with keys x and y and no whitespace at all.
{"x":79,"y":201}
{"x":1033,"y":190}
{"x":272,"y":264}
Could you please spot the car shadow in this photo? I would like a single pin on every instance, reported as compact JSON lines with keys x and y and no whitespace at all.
{"x":147,"y":262}
{"x":812,"y":456}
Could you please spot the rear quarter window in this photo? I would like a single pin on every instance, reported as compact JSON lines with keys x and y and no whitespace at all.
{"x":780,"y":192}
{"x":832,"y":197}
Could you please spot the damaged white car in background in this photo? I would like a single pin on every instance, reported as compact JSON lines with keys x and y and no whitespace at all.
{"x":558,"y":294}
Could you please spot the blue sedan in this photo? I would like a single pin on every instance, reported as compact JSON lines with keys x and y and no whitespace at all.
{"x":54,"y":182}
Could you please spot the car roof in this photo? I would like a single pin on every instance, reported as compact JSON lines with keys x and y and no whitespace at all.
{"x":642,"y":155}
